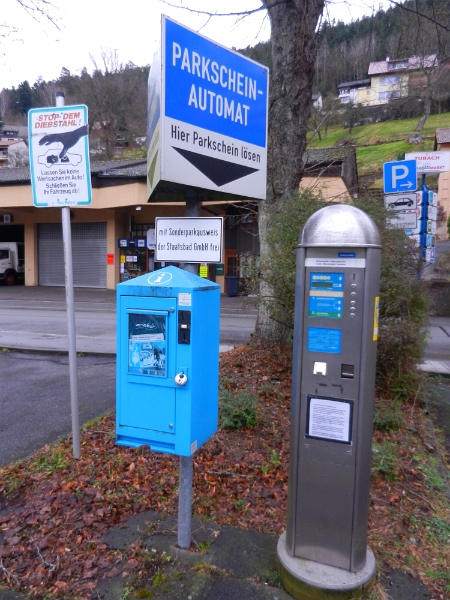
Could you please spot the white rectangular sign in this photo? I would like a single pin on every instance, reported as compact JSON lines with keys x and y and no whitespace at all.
{"x":59,"y":156}
{"x":399,"y":202}
{"x":430,"y":162}
{"x":404,"y":219}
{"x":208,"y":108}
{"x":189,"y":239}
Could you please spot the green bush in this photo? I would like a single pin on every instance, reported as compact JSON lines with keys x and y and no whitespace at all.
{"x":385,"y":459}
{"x":387,"y":415}
{"x":237,"y":411}
{"x":286,"y":221}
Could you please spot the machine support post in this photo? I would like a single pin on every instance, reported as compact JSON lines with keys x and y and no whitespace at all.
{"x":185,"y":501}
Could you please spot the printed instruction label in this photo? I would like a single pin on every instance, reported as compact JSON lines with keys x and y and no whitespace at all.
{"x":184,"y":299}
{"x":324,"y":340}
{"x":336,"y":263}
{"x":329,"y":419}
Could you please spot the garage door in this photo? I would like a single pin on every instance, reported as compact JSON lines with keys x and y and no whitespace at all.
{"x":88,"y":254}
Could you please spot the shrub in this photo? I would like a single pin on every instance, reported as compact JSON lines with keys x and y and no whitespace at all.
{"x":387,"y":415}
{"x":385,"y":459}
{"x":286,"y":221}
{"x":237,"y":411}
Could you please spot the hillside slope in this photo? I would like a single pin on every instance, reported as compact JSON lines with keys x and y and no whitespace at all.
{"x":378,"y":143}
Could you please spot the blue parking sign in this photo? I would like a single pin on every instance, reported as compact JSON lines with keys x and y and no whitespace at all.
{"x":400,"y":176}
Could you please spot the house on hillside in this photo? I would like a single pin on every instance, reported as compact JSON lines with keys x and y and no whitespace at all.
{"x":353,"y":91}
{"x":316,"y":101}
{"x":332,"y":171}
{"x":388,"y":80}
{"x":14,"y":132}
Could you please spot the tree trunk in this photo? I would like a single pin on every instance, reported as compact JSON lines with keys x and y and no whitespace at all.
{"x":425,"y":113}
{"x":294,"y":50}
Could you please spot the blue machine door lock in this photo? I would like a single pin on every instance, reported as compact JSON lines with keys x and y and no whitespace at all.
{"x":181,"y":379}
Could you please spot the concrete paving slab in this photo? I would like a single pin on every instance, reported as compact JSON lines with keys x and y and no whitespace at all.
{"x":222,"y":563}
{"x":135,"y":528}
{"x":437,"y":367}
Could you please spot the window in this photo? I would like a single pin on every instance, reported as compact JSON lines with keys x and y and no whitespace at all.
{"x":140,"y":229}
{"x":4,"y":254}
{"x":391,"y":80}
{"x":388,"y":95}
{"x":397,"y":64}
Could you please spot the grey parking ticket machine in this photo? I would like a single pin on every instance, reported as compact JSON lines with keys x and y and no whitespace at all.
{"x":335,"y":343}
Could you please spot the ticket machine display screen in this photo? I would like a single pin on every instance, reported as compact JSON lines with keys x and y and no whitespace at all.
{"x":326,"y":295}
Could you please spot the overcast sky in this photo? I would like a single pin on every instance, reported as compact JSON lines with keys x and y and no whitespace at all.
{"x":39,"y":49}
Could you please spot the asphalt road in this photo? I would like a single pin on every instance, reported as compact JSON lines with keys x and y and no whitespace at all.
{"x":35,"y":398}
{"x":31,"y":319}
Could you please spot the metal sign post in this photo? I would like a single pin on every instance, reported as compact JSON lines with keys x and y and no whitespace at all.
{"x":70,"y":301}
{"x":207,"y":130}
{"x":60,"y":177}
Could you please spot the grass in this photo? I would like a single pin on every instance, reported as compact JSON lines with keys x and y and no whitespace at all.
{"x":370,"y":159}
{"x":378,"y":143}
{"x":432,"y":477}
{"x":380,"y":133}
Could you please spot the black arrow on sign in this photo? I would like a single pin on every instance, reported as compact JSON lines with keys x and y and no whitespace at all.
{"x":220,"y":172}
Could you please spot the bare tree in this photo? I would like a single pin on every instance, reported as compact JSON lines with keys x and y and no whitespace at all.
{"x":116,"y":98}
{"x":295,"y":37}
{"x":36,"y":9}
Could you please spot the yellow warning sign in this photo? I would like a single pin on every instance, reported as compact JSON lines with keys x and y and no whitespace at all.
{"x":376,"y":317}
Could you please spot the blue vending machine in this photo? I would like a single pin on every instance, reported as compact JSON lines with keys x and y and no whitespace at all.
{"x":167,"y":361}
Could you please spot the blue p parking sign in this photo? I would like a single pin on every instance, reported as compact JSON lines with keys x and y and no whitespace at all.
{"x":400,"y":176}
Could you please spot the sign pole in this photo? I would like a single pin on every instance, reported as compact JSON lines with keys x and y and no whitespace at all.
{"x":193,"y":205}
{"x":68,"y":269}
